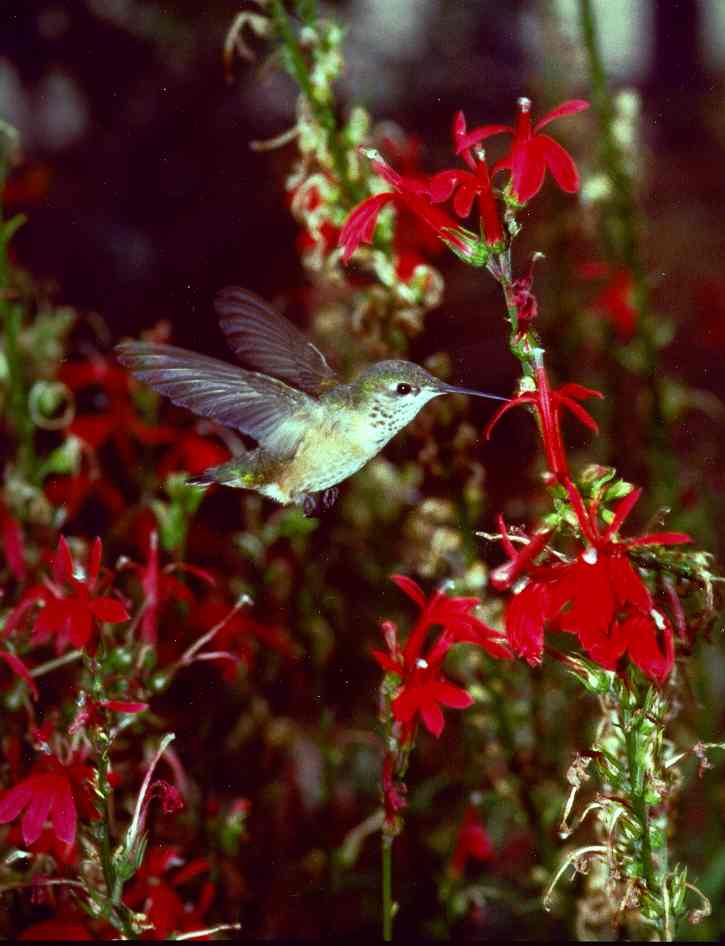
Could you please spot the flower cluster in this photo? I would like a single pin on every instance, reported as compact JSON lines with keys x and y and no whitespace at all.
{"x":423,"y":687}
{"x":531,"y":154}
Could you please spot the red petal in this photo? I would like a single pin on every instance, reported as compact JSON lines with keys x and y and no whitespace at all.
{"x":410,"y":588}
{"x":360,"y":224}
{"x":19,"y":668}
{"x":659,"y":538}
{"x":62,"y":563}
{"x":570,"y":107}
{"x":433,"y":719}
{"x":463,"y":200}
{"x":64,"y":812}
{"x":623,"y":508}
{"x":450,"y":695}
{"x":628,"y":586}
{"x":560,"y":163}
{"x":528,"y":168}
{"x":110,"y":610}
{"x":644,"y":649}
{"x":443,"y":184}
{"x":95,"y":430}
{"x":514,"y":402}
{"x":605,"y":648}
{"x":43,"y":794}
{"x":119,"y":706}
{"x":577,"y":391}
{"x":94,"y":562}
{"x":579,"y":412}
{"x":525,"y":616}
{"x":593,"y":605}
{"x":80,"y":626}
{"x":480,"y":134}
{"x":13,"y":802}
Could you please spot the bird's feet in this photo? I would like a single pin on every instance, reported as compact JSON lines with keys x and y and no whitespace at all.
{"x":315,"y":503}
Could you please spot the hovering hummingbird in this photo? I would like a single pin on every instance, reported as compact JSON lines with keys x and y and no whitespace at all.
{"x":313,"y":430}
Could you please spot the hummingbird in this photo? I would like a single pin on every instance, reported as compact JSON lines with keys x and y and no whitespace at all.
{"x":313,"y":430}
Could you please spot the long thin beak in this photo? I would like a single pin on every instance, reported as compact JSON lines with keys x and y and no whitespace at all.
{"x":452,"y":389}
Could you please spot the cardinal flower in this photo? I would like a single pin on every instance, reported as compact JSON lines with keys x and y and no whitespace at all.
{"x":71,"y":605}
{"x":600,"y":596}
{"x":424,"y":688}
{"x":531,"y":152}
{"x":411,"y":193}
{"x":469,"y":185}
{"x":54,"y":791}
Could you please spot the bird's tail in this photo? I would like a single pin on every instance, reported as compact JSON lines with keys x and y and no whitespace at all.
{"x":235,"y":472}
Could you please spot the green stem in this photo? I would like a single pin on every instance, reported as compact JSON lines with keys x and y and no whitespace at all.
{"x":639,"y":804}
{"x":387,"y":852}
{"x":322,"y":111}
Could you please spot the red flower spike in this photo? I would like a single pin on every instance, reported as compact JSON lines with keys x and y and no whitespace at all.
{"x":423,"y":695}
{"x":410,"y":193}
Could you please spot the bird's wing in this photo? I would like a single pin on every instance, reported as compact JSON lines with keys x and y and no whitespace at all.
{"x":252,"y":403}
{"x":262,"y":339}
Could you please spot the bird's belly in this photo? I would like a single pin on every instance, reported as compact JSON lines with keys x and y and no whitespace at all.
{"x":324,"y":461}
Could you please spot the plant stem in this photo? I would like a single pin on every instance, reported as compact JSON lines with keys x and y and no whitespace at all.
{"x":387,"y":852}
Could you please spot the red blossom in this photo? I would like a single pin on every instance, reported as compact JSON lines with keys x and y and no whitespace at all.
{"x":531,"y":152}
{"x":192,"y":453}
{"x":469,"y":185}
{"x":473,"y":841}
{"x":68,"y":612}
{"x":53,"y":790}
{"x":549,"y":405}
{"x":599,"y":596}
{"x":424,"y":689}
{"x":410,"y":193}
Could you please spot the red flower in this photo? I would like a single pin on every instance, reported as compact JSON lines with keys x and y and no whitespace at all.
{"x":154,"y":891}
{"x":614,"y":299}
{"x":473,"y":841}
{"x":531,"y":152}
{"x":600,"y":596}
{"x":70,"y":613}
{"x":467,"y":185}
{"x":548,"y":406}
{"x":54,"y":790}
{"x":119,"y":419}
{"x":411,"y":193}
{"x":424,"y":688}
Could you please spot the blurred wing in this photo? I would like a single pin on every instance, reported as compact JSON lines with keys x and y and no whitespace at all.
{"x":256,"y":405}
{"x":262,"y":339}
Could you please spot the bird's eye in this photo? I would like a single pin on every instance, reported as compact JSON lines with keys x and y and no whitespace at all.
{"x":403,"y":388}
